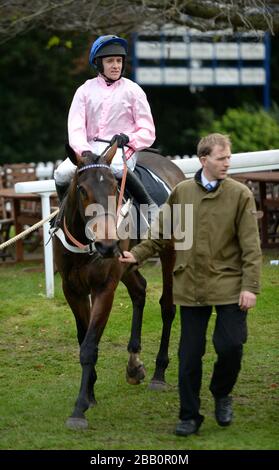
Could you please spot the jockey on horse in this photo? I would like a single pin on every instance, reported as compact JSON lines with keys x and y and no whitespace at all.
{"x":107,"y":109}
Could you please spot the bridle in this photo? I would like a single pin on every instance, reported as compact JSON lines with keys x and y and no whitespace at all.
{"x":77,"y":246}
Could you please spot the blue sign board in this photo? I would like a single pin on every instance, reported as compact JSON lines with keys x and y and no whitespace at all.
{"x":177,"y":56}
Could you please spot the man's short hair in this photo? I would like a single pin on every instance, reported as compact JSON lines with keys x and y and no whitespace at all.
{"x":207,"y":143}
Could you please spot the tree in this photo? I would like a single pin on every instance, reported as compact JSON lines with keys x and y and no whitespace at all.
{"x":39,"y":75}
{"x":124,"y":16}
{"x":41,"y":67}
{"x":250,"y":129}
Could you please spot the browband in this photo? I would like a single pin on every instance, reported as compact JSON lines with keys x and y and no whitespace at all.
{"x":93,"y":165}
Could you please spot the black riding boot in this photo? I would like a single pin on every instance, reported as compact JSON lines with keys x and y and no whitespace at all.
{"x":137,"y":189}
{"x":61,"y":190}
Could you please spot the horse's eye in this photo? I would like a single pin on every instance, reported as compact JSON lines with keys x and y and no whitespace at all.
{"x":82,"y":191}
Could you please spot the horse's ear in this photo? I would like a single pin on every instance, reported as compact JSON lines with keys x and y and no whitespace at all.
{"x":70,"y":153}
{"x":108,"y":156}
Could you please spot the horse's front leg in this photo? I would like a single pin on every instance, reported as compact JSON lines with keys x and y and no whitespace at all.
{"x":136,"y":285}
{"x":80,"y":306}
{"x":100,"y":311}
{"x":167,"y":313}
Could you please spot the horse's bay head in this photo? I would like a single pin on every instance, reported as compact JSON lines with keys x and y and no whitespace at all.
{"x":95,"y":190}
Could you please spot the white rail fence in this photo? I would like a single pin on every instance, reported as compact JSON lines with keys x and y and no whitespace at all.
{"x":240,"y":163}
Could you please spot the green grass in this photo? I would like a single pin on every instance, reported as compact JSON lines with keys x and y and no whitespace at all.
{"x":40,"y":374}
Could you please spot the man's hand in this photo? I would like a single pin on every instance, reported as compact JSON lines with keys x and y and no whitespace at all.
{"x":121,"y":139}
{"x":246,"y":300}
{"x":127,"y":257}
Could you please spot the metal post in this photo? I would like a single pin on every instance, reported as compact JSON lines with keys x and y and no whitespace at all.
{"x":45,"y":189}
{"x":48,"y":253}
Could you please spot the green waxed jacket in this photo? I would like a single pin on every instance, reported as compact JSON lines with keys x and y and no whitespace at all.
{"x":225,"y":256}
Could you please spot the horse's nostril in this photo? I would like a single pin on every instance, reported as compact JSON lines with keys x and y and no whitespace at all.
{"x":107,"y":249}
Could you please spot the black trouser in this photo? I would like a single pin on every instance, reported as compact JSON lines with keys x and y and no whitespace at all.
{"x":230,"y":333}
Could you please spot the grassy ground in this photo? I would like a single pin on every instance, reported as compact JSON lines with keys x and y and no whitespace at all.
{"x":40,"y":374}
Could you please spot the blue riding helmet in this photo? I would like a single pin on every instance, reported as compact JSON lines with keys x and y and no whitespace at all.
{"x":109,"y":45}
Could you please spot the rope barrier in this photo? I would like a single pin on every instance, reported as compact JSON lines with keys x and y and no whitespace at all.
{"x":28,"y":230}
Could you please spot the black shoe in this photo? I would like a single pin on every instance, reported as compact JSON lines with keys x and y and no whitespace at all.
{"x":187,"y":427}
{"x":223,"y":410}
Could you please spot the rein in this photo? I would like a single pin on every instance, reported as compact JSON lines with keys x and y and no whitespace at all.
{"x":122,"y":187}
{"x":125,"y":169}
{"x":84,"y":249}
{"x":71,"y":237}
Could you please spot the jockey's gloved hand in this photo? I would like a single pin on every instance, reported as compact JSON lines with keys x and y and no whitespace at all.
{"x":121,"y":139}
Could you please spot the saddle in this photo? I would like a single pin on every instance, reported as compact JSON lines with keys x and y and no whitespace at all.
{"x":158,"y":191}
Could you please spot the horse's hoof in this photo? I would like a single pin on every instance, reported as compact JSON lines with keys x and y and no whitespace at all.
{"x":135,"y":376}
{"x":132,"y":380}
{"x":158,"y":385}
{"x":76,"y":423}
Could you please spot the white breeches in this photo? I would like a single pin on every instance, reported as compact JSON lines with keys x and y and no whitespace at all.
{"x":65,"y":171}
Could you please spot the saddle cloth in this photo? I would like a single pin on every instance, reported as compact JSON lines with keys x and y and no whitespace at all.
{"x":156,"y":187}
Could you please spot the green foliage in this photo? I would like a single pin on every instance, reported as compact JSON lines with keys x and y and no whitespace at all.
{"x":178,"y":117}
{"x":53,"y":41}
{"x":41,"y":70}
{"x":39,"y":75}
{"x":40,"y":373}
{"x":56,"y":41}
{"x":250,"y":129}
